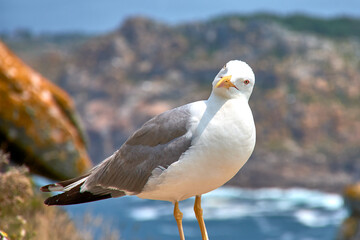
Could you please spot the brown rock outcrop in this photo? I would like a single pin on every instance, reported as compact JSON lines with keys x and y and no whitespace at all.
{"x":38,"y":123}
{"x":350,"y":228}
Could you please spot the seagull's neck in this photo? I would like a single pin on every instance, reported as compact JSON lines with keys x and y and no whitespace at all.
{"x":219,"y":100}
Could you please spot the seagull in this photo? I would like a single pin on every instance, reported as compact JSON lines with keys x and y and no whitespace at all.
{"x":184,"y":152}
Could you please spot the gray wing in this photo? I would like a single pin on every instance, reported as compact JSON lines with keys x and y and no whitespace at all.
{"x":157,"y":144}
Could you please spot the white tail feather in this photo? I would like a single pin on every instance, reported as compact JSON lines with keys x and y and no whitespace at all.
{"x":74,"y":184}
{"x":56,"y":188}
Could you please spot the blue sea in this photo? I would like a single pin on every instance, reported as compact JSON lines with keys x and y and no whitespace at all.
{"x":230,"y":213}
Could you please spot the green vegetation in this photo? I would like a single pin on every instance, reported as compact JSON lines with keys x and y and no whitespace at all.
{"x":338,"y":27}
{"x":22,"y":213}
{"x":23,"y":216}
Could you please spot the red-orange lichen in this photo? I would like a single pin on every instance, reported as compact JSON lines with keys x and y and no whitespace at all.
{"x":39,"y":119}
{"x":352,"y":191}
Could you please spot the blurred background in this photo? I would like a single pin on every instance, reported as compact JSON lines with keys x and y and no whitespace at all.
{"x":92,"y":72}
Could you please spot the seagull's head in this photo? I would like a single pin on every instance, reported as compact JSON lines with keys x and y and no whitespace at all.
{"x":235,"y":79}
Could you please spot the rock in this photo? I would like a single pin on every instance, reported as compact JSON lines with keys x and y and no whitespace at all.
{"x":350,"y":228}
{"x":352,"y":198}
{"x":38,"y":123}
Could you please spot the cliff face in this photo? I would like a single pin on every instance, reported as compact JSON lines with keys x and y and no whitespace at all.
{"x":305,"y":103}
{"x":38,"y":124}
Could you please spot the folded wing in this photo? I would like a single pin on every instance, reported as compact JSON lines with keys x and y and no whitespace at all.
{"x":157,"y":144}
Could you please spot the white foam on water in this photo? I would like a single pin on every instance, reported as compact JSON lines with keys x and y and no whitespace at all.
{"x":308,"y":207}
{"x":145,"y":213}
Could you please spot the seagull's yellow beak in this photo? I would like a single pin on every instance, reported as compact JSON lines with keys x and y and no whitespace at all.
{"x":225,"y":83}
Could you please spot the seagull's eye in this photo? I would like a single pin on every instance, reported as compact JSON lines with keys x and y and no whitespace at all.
{"x":246,"y":82}
{"x":224,"y":66}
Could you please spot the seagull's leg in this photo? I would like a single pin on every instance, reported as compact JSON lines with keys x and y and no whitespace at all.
{"x":199,"y":216}
{"x":178,"y":217}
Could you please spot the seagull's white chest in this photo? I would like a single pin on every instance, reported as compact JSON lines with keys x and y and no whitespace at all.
{"x":224,"y":138}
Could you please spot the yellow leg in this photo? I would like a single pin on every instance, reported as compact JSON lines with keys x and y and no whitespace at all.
{"x":199,"y":216}
{"x":178,"y":217}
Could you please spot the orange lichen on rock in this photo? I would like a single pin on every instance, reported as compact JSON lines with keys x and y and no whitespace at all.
{"x":38,"y":123}
{"x":350,"y":227}
{"x":352,"y":192}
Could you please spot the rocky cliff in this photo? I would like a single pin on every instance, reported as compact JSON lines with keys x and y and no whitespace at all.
{"x":305,"y":103}
{"x":38,"y":123}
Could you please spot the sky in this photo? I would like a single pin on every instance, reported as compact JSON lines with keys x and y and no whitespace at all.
{"x":95,"y":16}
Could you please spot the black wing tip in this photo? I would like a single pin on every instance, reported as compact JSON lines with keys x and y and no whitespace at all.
{"x":74,"y":196}
{"x":54,"y":200}
{"x":47,"y":202}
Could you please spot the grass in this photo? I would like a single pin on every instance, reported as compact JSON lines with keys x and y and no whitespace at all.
{"x":23,"y":216}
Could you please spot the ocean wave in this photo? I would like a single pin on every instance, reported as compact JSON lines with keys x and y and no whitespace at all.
{"x":308,"y":207}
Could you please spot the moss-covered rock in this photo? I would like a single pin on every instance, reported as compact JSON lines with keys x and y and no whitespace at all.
{"x":38,"y":123}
